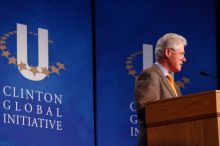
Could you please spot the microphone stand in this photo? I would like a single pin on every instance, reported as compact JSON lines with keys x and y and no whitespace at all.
{"x":206,"y":74}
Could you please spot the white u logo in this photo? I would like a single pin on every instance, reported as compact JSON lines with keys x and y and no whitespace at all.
{"x":147,"y":55}
{"x":42,"y":53}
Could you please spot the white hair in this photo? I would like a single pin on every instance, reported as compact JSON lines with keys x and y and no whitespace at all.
{"x":169,"y":40}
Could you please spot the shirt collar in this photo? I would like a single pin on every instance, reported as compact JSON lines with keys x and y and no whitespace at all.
{"x":162,"y":68}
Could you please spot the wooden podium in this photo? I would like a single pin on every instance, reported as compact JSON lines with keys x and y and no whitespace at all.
{"x":192,"y":120}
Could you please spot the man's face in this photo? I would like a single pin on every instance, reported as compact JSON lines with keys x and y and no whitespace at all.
{"x":176,"y":58}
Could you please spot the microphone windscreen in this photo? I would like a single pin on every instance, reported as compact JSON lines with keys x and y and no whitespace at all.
{"x":203,"y":73}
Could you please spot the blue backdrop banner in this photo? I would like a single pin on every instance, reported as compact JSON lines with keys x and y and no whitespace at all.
{"x":124,"y":30}
{"x":46,"y":73}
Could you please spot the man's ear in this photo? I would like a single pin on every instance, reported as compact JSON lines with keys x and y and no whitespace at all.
{"x":167,"y":53}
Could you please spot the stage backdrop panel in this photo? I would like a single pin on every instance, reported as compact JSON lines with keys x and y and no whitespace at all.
{"x":122,"y":27}
{"x":46,"y":73}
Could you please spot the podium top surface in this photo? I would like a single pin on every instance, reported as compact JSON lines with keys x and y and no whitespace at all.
{"x":185,"y":108}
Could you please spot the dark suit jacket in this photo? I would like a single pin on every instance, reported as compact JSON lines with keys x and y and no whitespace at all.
{"x":151,"y":85}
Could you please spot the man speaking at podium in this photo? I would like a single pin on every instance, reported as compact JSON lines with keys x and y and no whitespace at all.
{"x":157,"y":82}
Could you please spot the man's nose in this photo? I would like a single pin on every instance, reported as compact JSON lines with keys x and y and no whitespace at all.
{"x":184,"y":59}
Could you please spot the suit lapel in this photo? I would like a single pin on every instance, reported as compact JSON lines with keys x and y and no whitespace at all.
{"x":165,"y":81}
{"x":178,"y":90}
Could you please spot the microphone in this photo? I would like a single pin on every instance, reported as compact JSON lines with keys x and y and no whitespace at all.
{"x":206,"y":74}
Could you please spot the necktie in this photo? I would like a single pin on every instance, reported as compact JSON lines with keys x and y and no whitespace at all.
{"x":171,"y":82}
